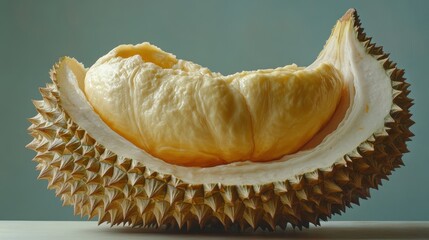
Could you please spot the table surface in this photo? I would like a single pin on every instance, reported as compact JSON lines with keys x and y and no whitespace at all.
{"x":65,"y":230}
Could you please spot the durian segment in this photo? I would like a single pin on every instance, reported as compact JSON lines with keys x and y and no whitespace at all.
{"x":288,"y":106}
{"x":189,"y":116}
{"x":101,"y":183}
{"x":370,"y":95}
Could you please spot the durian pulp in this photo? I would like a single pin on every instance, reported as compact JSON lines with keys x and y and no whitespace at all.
{"x":187,"y":115}
{"x":370,"y":99}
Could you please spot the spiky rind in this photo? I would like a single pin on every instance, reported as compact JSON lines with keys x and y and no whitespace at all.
{"x":99,"y":183}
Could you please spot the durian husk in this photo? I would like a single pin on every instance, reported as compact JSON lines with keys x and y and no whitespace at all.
{"x":118,"y":190}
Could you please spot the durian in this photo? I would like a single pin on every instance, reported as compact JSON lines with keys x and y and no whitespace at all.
{"x":144,"y":139}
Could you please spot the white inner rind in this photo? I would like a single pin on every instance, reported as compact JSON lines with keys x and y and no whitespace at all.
{"x":370,"y":103}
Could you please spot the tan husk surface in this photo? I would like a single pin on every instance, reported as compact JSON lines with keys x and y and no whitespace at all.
{"x":97,"y":182}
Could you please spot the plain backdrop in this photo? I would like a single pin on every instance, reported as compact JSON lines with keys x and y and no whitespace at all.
{"x":225,"y":36}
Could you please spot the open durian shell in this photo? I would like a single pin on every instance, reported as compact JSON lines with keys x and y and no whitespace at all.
{"x":100,"y":182}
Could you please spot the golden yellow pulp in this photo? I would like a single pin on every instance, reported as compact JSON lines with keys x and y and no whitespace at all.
{"x":187,"y":115}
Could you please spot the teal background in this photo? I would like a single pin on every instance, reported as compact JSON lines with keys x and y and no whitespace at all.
{"x":226,"y":36}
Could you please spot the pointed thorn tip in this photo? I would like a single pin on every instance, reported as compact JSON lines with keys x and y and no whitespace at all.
{"x":348,"y":15}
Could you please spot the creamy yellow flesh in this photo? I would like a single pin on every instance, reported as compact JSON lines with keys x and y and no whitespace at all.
{"x":187,"y":115}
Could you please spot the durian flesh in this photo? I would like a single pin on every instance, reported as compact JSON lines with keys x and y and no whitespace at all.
{"x":186,"y":115}
{"x":105,"y":174}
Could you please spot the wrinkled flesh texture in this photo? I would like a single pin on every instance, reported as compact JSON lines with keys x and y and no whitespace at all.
{"x":187,"y":115}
